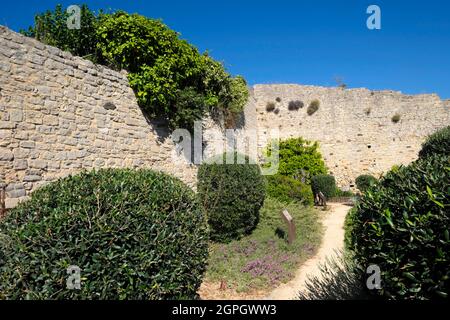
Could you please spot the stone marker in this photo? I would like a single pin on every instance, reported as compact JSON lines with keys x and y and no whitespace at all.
{"x":291,"y":226}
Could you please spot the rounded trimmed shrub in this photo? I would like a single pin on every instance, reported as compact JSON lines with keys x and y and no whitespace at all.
{"x":324,"y":183}
{"x":288,"y":189}
{"x":134,"y":235}
{"x":231,"y":195}
{"x":401,"y":225}
{"x":437,"y":143}
{"x":363,"y":182}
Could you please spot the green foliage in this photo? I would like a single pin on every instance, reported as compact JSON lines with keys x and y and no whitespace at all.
{"x":231,"y":195}
{"x":324,"y":183}
{"x":169,"y":76}
{"x":50,"y":28}
{"x":295,"y":105}
{"x":339,"y":279}
{"x":341,"y":193}
{"x":288,"y":189}
{"x":299,"y":158}
{"x":396,"y":118}
{"x":134,"y":234}
{"x":270,"y":106}
{"x":437,"y":143}
{"x":313,"y":107}
{"x":349,"y":222}
{"x":235,"y":94}
{"x":401,"y":225}
{"x":363,"y":182}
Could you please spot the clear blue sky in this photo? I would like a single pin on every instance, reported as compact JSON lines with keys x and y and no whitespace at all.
{"x":301,"y":41}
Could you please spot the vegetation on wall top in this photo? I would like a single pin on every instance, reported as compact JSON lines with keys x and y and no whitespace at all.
{"x":171,"y":79}
{"x":396,"y":118}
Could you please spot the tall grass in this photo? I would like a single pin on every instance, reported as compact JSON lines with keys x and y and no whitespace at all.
{"x":339,"y":279}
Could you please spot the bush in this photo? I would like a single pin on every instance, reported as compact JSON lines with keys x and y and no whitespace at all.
{"x":295,"y":105}
{"x":50,"y":28}
{"x":313,"y":107}
{"x":341,"y":193}
{"x":363,"y":182}
{"x":339,"y":279}
{"x":231,"y":195}
{"x":299,"y":158}
{"x":396,"y":118}
{"x":437,"y":143}
{"x":134,"y":234}
{"x":288,"y":189}
{"x":324,"y":183}
{"x":278,"y":99}
{"x":169,"y":76}
{"x":401,"y":225}
{"x":265,"y":259}
{"x":270,"y":106}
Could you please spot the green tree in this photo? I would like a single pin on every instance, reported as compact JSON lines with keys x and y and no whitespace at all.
{"x":300,"y":159}
{"x":170,"y":77}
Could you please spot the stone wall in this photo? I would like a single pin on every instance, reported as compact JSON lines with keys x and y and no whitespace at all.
{"x":354,"y":126}
{"x":60,"y":114}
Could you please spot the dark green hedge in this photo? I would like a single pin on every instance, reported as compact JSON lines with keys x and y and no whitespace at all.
{"x":134,"y":234}
{"x":324,"y":183}
{"x":401,"y":224}
{"x":288,"y":189}
{"x":231,"y":195}
{"x":437,"y":143}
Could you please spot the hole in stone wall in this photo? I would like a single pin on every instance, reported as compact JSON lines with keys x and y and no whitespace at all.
{"x":369,"y":146}
{"x":109,"y":106}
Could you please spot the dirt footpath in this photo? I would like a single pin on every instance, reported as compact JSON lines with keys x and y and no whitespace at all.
{"x":333,"y":239}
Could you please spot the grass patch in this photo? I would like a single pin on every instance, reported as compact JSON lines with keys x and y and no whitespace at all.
{"x":264,"y":259}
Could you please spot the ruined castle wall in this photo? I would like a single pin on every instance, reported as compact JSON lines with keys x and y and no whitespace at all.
{"x":354,"y":126}
{"x":60,"y":114}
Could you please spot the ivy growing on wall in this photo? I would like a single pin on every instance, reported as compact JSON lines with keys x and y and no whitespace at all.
{"x":170,"y":77}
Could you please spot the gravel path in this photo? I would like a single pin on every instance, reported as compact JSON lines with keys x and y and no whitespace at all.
{"x":333,"y":239}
